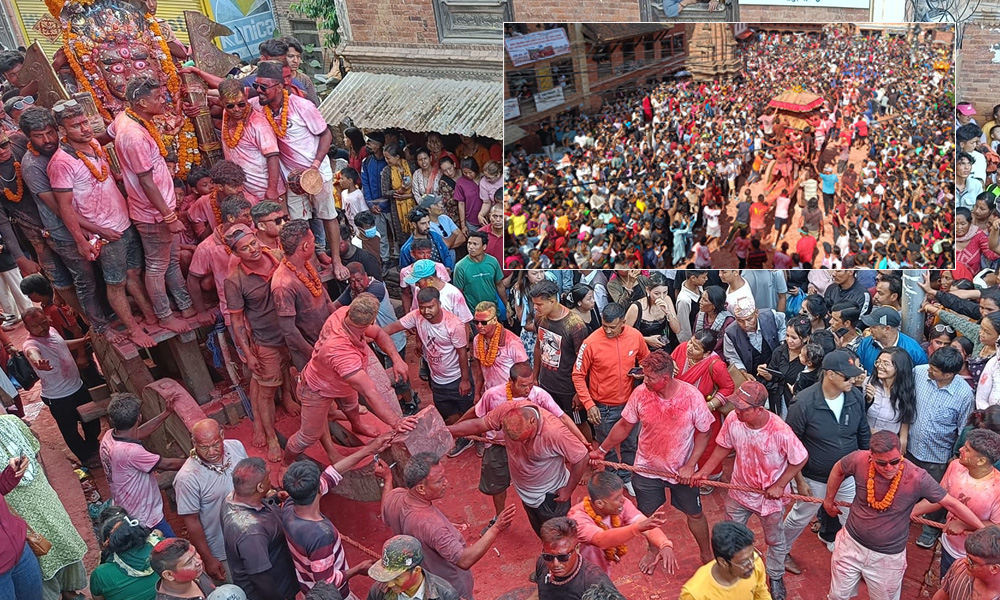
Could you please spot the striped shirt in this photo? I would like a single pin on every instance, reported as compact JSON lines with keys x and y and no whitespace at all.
{"x":941,"y":415}
{"x":317,"y":552}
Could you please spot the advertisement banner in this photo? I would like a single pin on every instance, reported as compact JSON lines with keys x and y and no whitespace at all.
{"x":543,"y":75}
{"x":537,"y":46}
{"x":252,"y":22}
{"x":549,"y":99}
{"x":511,"y":109}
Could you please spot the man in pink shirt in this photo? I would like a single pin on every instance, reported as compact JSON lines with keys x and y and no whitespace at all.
{"x":494,"y":475}
{"x":94,"y":210}
{"x":249,"y":141}
{"x":151,"y":199}
{"x":768,"y":456}
{"x":675,"y":423}
{"x":213,"y":258}
{"x":129,"y":467}
{"x":337,"y":370}
{"x":546,"y":459}
{"x":493,"y":368}
{"x":606,"y":520}
{"x":304,"y":139}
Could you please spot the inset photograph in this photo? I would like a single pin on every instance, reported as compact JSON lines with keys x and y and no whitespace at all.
{"x":749,"y":145}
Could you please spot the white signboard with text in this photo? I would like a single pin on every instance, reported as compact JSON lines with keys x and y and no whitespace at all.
{"x":511,"y":109}
{"x":549,"y":99}
{"x":526,"y":49}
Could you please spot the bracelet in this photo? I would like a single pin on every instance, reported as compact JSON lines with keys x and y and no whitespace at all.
{"x":170,"y":218}
{"x":601,"y":448}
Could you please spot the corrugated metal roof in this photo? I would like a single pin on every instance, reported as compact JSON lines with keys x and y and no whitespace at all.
{"x":377,"y":101}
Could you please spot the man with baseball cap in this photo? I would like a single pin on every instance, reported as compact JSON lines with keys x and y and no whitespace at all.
{"x":768,"y":457}
{"x":829,"y":419}
{"x":400,"y":575}
{"x":883,"y":326}
{"x":425,"y":274}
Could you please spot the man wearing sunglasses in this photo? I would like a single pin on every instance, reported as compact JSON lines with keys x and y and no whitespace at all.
{"x":17,"y":105}
{"x":268,"y":217}
{"x":978,"y":576}
{"x":872,"y":544}
{"x":561,"y":572}
{"x":249,"y":141}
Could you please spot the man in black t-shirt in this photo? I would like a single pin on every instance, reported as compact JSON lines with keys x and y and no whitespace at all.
{"x":560,"y":334}
{"x":847,"y":288}
{"x":560,"y":572}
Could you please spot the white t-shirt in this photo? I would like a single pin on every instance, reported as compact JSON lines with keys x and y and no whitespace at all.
{"x":743,"y":292}
{"x":441,"y":342}
{"x":453,"y":301}
{"x":836,"y":405}
{"x":64,"y":378}
{"x":353,"y":203}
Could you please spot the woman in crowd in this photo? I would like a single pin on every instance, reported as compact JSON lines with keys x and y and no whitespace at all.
{"x":396,"y":180}
{"x":698,"y":364}
{"x":34,"y":500}
{"x":625,"y":286}
{"x":654,"y":313}
{"x":581,"y":302}
{"x":125,"y":573}
{"x":890,"y":394}
{"x":965,"y":347}
{"x":489,"y":183}
{"x":426,"y":177}
{"x":354,"y":142}
{"x":20,"y":575}
{"x":972,"y":244}
{"x":787,"y":361}
{"x":815,"y":308}
{"x":712,"y":313}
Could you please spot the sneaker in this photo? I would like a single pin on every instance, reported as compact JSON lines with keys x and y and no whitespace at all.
{"x":461,"y":445}
{"x":927,"y":539}
{"x":630,"y":489}
{"x":705,"y":490}
{"x":480,"y":449}
{"x":10,"y":323}
{"x":777,"y":587}
{"x":829,"y":545}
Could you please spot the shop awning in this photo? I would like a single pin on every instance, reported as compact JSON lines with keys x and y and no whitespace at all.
{"x":512,"y":134}
{"x":744,"y":34}
{"x":378,"y":101}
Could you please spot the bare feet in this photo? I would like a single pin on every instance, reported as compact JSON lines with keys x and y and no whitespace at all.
{"x":291,"y":407}
{"x":174,"y":324}
{"x":140,"y":338}
{"x":189,"y":312}
{"x":116,"y":337}
{"x":274,"y":451}
{"x":364,"y":429}
{"x":791,"y":566}
{"x":258,"y":440}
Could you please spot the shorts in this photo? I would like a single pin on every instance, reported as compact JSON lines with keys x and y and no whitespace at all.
{"x":52,"y":266}
{"x":447,"y":399}
{"x":650,"y":494}
{"x":494,"y":474}
{"x":117,"y":258}
{"x":779,"y":222}
{"x":273,"y":364}
{"x":320,"y":205}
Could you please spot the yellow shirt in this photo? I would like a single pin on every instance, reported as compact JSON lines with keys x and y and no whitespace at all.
{"x":517,"y":224}
{"x":641,"y":205}
{"x":702,"y":586}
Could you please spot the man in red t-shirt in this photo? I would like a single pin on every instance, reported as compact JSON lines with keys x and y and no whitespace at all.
{"x":806,"y":249}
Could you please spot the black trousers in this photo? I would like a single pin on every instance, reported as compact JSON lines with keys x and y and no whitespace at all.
{"x":545,"y":511}
{"x":64,"y":412}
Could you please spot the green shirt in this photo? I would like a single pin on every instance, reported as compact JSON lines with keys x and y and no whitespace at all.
{"x":477,"y":280}
{"x":110,"y":581}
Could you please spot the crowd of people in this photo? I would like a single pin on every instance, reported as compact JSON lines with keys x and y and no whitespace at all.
{"x":689,"y":173}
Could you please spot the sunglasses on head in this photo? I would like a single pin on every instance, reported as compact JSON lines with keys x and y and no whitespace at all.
{"x":64,"y":104}
{"x":232,"y":105}
{"x":888,"y":463}
{"x":941,"y":327}
{"x":24,"y":103}
{"x":553,"y":557}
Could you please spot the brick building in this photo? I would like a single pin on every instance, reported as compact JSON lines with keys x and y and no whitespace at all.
{"x":978,"y":59}
{"x":598,"y":60}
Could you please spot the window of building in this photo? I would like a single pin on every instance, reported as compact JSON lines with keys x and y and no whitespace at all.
{"x":678,"y":41}
{"x":304,"y":30}
{"x":649,"y":48}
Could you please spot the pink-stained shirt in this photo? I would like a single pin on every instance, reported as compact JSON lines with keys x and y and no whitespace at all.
{"x":497,"y":395}
{"x":511,"y":352}
{"x":587,"y":529}
{"x":538,"y":464}
{"x":212,"y":256}
{"x":64,"y":378}
{"x":128,"y":467}
{"x":99,"y":202}
{"x":297,"y":149}
{"x":666,"y":439}
{"x":201,"y":211}
{"x":762,"y":455}
{"x":138,"y":153}
{"x":251,"y":152}
{"x":982,"y":496}
{"x":441,"y":342}
{"x":334,"y":358}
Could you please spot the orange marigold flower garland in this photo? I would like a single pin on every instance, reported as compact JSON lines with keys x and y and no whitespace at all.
{"x":69,"y":39}
{"x":488,"y":357}
{"x":510,"y":392}
{"x":310,"y":279}
{"x":231,"y":139}
{"x":16,"y":196}
{"x":188,"y":154}
{"x":214,"y":199}
{"x":615,"y":553}
{"x":153,"y":131}
{"x":886,"y":501}
{"x":101,"y":175}
{"x":282,"y":129}
{"x":166,"y":62}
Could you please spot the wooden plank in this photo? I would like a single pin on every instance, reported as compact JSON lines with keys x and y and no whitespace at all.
{"x":92,"y":411}
{"x":192,"y":368}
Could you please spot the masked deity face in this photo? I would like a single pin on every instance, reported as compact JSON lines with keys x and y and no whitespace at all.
{"x":119,"y":62}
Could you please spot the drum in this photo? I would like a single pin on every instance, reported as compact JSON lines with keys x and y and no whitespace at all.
{"x":307,"y":182}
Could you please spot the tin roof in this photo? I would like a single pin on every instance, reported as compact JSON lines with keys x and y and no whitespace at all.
{"x":378,"y":101}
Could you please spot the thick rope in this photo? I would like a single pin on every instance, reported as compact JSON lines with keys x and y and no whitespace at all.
{"x":365,"y":549}
{"x":712,"y":483}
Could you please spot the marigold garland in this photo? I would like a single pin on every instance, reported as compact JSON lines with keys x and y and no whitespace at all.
{"x":153,"y":131}
{"x":188,"y":154}
{"x":886,"y":501}
{"x":237,"y":135}
{"x":510,"y":392}
{"x":68,"y":38}
{"x":16,"y":196}
{"x":489,"y":357}
{"x":101,"y":175}
{"x":614,"y":553}
{"x":214,"y":200}
{"x":310,"y":279}
{"x":166,"y":62}
{"x":281,"y":130}
{"x":31,"y":149}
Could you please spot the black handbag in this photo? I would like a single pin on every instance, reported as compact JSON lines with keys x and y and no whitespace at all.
{"x":20,"y":369}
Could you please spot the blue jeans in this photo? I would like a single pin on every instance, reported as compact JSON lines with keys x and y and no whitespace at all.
{"x":163,"y":270}
{"x":24,"y":581}
{"x":165,"y":528}
{"x":946,"y":561}
{"x":609,"y":416}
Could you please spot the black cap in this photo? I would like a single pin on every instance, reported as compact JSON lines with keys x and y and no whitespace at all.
{"x":840,"y":361}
